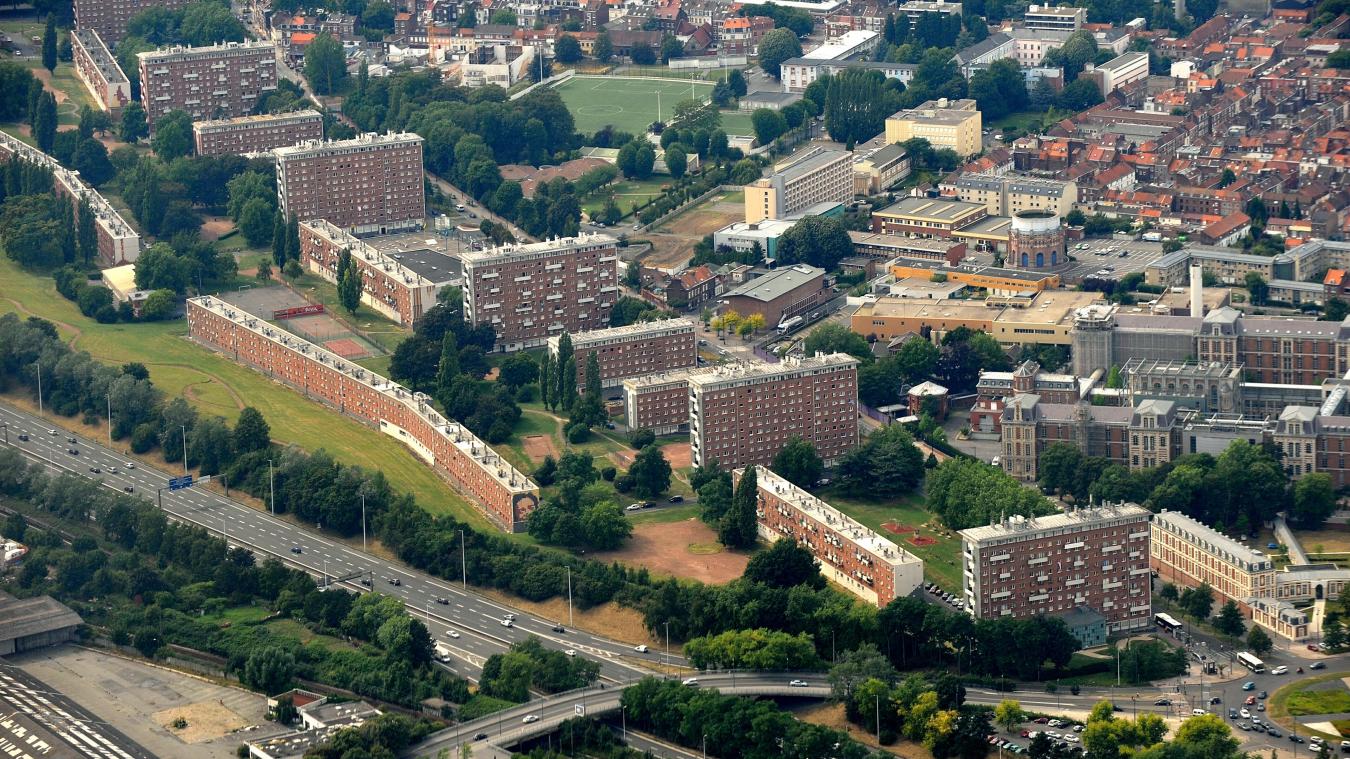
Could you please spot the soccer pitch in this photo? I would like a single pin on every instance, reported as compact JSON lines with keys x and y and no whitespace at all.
{"x":627,"y":103}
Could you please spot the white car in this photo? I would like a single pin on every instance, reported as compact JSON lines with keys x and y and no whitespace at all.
{"x":1198,"y":712}
{"x":571,"y":652}
{"x":530,"y":718}
{"x":1245,"y":714}
{"x":642,"y":649}
{"x":798,"y":683}
{"x":1280,"y":670}
{"x":508,"y":623}
{"x":452,"y":633}
{"x":692,"y":682}
{"x":130,"y":465}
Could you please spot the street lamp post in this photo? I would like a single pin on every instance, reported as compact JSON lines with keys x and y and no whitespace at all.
{"x":569,"y":597}
{"x":623,"y":717}
{"x":39,"y":376}
{"x":667,"y":643}
{"x":184,"y":428}
{"x":879,"y":719}
{"x":272,"y":487}
{"x":363,"y":522}
{"x":463,"y":563}
{"x":110,"y":420}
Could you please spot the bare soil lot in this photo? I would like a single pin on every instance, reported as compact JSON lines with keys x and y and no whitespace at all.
{"x":681,"y":549}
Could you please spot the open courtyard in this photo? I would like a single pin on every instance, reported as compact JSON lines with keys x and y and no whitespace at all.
{"x":629,"y":104}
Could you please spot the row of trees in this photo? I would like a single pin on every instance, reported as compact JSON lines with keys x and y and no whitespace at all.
{"x":579,"y":510}
{"x":528,"y":665}
{"x":147,"y":580}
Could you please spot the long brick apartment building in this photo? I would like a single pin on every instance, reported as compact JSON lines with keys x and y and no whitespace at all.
{"x":635,"y":350}
{"x":1098,"y":558}
{"x":98,"y":69}
{"x":531,"y":292}
{"x":118,"y":242}
{"x":256,"y":133}
{"x":869,"y":565}
{"x":387,"y":285}
{"x":505,"y":495}
{"x":744,"y":414}
{"x":369,"y":184}
{"x":109,"y":17}
{"x":211,"y":82}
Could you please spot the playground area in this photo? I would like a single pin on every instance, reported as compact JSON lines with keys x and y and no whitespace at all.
{"x":629,"y":104}
{"x":304,"y":320}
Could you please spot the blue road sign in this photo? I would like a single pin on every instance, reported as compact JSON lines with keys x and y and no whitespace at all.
{"x":178,"y":483}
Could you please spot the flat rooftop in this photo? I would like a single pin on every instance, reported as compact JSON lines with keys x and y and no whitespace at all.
{"x":34,"y":616}
{"x":974,"y":269}
{"x":776,"y":283}
{"x":257,"y":118}
{"x":546,"y":247}
{"x":788,"y":366}
{"x":430,"y":264}
{"x":1019,"y":526}
{"x":1048,"y":307}
{"x":809,"y":164}
{"x":828,"y":517}
{"x":900,"y":242}
{"x":936,"y":209}
{"x":989,"y":226}
{"x":656,"y":327}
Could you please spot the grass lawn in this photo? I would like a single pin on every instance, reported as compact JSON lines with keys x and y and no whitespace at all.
{"x":629,"y":104}
{"x":737,"y":122}
{"x":941,"y":560}
{"x":1330,"y":701}
{"x":666,"y":515}
{"x":64,"y":80}
{"x":215,"y":385}
{"x":626,"y":192}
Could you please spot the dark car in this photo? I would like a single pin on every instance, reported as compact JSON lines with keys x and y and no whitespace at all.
{"x":480,"y":737}
{"x":677,"y":499}
{"x":70,"y":440}
{"x":1318,"y":665}
{"x":443,"y":601}
{"x":128,"y":489}
{"x":1216,"y":700}
{"x":1295,"y":738}
{"x":365,"y":581}
{"x":95,"y":470}
{"x":24,"y":437}
{"x":559,"y":629}
{"x":395,"y":581}
{"x":72,"y":451}
{"x":297,"y":549}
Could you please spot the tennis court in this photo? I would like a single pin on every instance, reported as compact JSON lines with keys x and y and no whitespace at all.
{"x":628,"y":104}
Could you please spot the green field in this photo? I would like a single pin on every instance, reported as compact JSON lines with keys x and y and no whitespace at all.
{"x":219,"y":386}
{"x":941,"y":560}
{"x":628,"y":104}
{"x":737,"y":123}
{"x":626,"y":192}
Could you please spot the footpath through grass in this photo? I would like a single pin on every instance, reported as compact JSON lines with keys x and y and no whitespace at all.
{"x":216,"y":385}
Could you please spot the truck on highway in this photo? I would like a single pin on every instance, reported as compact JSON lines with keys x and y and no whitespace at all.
{"x":441,"y":654}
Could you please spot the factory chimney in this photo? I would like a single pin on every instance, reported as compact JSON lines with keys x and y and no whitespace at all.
{"x":1197,"y":289}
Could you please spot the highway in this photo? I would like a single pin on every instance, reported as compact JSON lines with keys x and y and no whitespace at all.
{"x":477,"y":621}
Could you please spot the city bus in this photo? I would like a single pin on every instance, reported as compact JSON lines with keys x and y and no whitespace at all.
{"x":1251,"y":662}
{"x":1167,"y":623}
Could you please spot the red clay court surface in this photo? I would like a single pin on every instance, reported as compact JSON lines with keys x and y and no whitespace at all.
{"x":346,"y":348}
{"x":898,"y":529}
{"x":920,"y":541}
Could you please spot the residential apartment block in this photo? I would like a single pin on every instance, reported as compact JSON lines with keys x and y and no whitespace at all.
{"x":505,"y":495}
{"x":945,"y":123}
{"x":635,"y":350}
{"x":256,"y":134}
{"x":744,"y":414}
{"x":531,"y":292}
{"x":109,"y":17}
{"x":1119,"y":71}
{"x":868,"y":564}
{"x":1097,"y":557}
{"x":366,"y":185}
{"x":98,"y":69}
{"x":658,"y":402}
{"x":1067,"y":18}
{"x":118,"y":242}
{"x":213,"y":82}
{"x":389,"y":285}
{"x":821,"y":176}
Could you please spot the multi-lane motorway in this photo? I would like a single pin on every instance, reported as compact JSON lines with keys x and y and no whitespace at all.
{"x":476,"y":621}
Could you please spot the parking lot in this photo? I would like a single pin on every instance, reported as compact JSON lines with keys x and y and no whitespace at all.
{"x":1114,"y":258}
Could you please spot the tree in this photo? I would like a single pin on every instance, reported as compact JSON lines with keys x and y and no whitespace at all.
{"x":133,"y":126}
{"x":1257,"y":288}
{"x":886,"y":465}
{"x":1009,"y":714}
{"x":644,"y":161}
{"x":650,"y":472}
{"x":49,"y":45}
{"x":269,"y":670}
{"x":567,"y":49}
{"x":739,"y":525}
{"x":1198,"y":601}
{"x":676,"y":161}
{"x":642,"y":54}
{"x":604,"y":47}
{"x":349,"y":282}
{"x":1229,"y":620}
{"x":251,"y":431}
{"x":255,"y":221}
{"x":784,"y":564}
{"x":768,"y":124}
{"x":671,"y":47}
{"x":325,"y":64}
{"x":798,"y":463}
{"x":173,"y":136}
{"x":775,"y":47}
{"x":293,"y":240}
{"x":856,"y":105}
{"x":836,"y":338}
{"x":86,"y":235}
{"x":159,"y":305}
{"x":815,"y":240}
{"x":1314,"y":500}
{"x":736,"y":80}
{"x":518,"y":370}
{"x":378,"y":17}
{"x":1080,"y":95}
{"x":447,"y":371}
{"x":1258,"y":641}
{"x":44,"y":122}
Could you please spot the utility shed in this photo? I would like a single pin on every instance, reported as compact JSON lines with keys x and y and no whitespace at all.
{"x":29,"y":623}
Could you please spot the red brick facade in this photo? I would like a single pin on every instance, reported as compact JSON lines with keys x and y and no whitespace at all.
{"x":369,"y":184}
{"x":256,"y":134}
{"x":658,"y":403}
{"x":867,"y":564}
{"x":637,"y":350}
{"x":387,"y":286}
{"x":214,"y":82}
{"x":742,"y":415}
{"x":504,"y":495}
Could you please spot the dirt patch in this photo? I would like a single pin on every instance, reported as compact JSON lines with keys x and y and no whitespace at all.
{"x":673,"y":549}
{"x":832,"y":715}
{"x":679,"y":455}
{"x":673,"y":243}
{"x":898,"y":529}
{"x":206,"y":720}
{"x":921,"y":541}
{"x":346,"y":348}
{"x":539,"y":446}
{"x":214,"y":229}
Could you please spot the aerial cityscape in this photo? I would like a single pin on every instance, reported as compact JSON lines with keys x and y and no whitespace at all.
{"x":798,"y":379}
